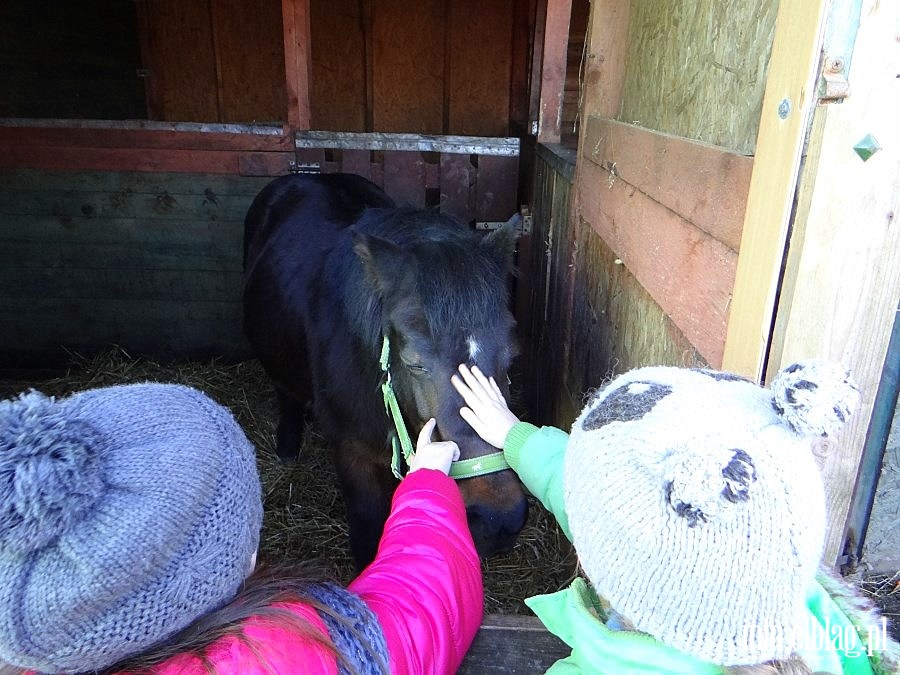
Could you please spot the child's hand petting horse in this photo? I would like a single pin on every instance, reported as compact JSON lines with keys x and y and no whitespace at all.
{"x":486,"y":410}
{"x":433,"y":454}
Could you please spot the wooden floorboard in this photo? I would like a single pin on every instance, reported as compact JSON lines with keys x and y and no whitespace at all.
{"x":512,"y":644}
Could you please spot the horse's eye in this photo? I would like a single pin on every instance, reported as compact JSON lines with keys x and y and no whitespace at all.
{"x":416,"y":369}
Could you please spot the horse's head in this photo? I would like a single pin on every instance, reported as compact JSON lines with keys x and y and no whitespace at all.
{"x":444,"y":301}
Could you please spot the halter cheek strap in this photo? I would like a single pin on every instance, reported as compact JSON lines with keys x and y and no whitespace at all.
{"x":401,"y":444}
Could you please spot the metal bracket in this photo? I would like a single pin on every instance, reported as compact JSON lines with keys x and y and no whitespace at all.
{"x":299,"y":167}
{"x":523,"y":221}
{"x":833,"y":84}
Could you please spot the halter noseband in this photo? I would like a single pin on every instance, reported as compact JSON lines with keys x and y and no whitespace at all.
{"x":402,"y":444}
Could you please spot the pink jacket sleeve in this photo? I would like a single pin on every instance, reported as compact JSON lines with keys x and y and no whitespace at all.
{"x":425,"y":582}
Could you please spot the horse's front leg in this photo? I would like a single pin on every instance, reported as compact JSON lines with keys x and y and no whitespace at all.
{"x":368,"y":487}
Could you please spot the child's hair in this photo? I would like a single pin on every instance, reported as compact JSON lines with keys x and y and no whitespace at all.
{"x":266,"y":588}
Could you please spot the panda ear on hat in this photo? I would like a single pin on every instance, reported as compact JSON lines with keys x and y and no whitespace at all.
{"x":814,"y":397}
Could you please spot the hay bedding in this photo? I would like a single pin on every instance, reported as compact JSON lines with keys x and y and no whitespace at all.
{"x":304,"y":511}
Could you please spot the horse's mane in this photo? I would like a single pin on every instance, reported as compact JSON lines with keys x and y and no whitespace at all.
{"x":460,"y":282}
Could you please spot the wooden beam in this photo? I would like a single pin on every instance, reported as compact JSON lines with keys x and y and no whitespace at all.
{"x":789,"y":97}
{"x":512,"y":644}
{"x":297,"y":61}
{"x":553,"y":70}
{"x":242,"y":152}
{"x":842,"y":285}
{"x":705,"y":184}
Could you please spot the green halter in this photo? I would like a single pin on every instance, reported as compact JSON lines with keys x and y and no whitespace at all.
{"x":402,"y":444}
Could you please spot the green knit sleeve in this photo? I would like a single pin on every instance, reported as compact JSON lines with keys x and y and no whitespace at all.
{"x":536,"y":455}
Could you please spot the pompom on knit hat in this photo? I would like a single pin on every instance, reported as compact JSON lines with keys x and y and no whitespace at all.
{"x":696,"y":505}
{"x":126,"y":513}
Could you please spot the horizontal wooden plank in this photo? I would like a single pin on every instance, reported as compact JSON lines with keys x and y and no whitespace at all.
{"x":512,"y":644}
{"x":144,"y":326}
{"x":687,"y":271}
{"x":100,"y":284}
{"x":704,"y":184}
{"x":165,"y":204}
{"x":119,"y":255}
{"x":206,"y":206}
{"x":119,"y":159}
{"x":471,"y":145}
{"x":130,"y":181}
{"x":168,"y":136}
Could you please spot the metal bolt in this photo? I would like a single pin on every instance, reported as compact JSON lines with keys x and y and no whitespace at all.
{"x":784,"y":108}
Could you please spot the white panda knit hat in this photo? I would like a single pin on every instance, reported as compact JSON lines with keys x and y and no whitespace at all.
{"x":696,"y":506}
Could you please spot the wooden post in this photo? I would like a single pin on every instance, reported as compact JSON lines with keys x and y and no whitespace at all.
{"x":789,"y":97}
{"x":297,"y":62}
{"x":553,"y":70}
{"x":841,"y":287}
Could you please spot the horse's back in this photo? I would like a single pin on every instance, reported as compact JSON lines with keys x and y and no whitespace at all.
{"x":307,"y":206}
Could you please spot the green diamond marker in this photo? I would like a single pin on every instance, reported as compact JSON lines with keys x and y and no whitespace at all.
{"x":867,"y":147}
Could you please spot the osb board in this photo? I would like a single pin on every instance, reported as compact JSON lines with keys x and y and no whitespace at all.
{"x":179,"y":56}
{"x":839,"y":297}
{"x":616,"y":324}
{"x":339,"y":66}
{"x":151,"y":262}
{"x":408,"y":67}
{"x":250,"y":59}
{"x":697,"y":68}
{"x":479,"y":38}
{"x":689,"y":273}
{"x":704,"y":184}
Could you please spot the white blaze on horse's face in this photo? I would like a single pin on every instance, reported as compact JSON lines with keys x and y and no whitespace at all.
{"x":474,"y":347}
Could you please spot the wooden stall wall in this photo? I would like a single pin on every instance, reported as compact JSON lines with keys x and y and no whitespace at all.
{"x":433,"y":67}
{"x":213,"y":61}
{"x":148,"y":261}
{"x":664,"y":82}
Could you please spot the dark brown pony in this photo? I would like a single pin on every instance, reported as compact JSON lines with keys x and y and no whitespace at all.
{"x":332,"y":267}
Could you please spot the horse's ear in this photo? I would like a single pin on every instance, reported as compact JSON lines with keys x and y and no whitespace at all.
{"x":387,"y":266}
{"x":503,"y":239}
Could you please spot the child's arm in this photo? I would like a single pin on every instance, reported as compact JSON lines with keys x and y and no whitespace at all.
{"x":536,"y":455}
{"x":425,"y":582}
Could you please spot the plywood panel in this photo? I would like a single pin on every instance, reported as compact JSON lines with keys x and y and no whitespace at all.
{"x":250,"y":54}
{"x":688,"y":272}
{"x":339,"y":67}
{"x":408,"y":79}
{"x":480,"y":34}
{"x":698,"y":68}
{"x":704,"y":184}
{"x":182,"y":65}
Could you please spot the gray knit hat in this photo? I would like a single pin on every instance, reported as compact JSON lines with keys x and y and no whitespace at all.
{"x":125,"y":514}
{"x":696,"y":506}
